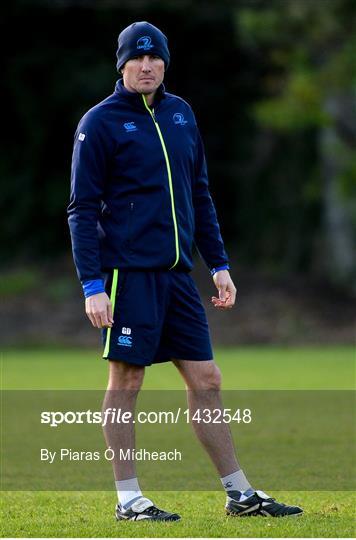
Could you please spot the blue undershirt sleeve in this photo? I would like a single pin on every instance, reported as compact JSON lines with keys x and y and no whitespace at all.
{"x":93,"y":286}
{"x":218,"y":268}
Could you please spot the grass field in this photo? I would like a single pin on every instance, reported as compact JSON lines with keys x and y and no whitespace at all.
{"x":90,"y":514}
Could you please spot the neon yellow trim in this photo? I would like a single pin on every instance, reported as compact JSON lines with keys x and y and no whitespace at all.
{"x":112,"y":299}
{"x":169,"y":181}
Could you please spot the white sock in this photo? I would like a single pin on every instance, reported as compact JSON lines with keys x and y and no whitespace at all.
{"x":236,"y":481}
{"x":127,"y":491}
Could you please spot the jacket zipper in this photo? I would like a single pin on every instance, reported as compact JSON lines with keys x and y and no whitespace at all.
{"x":170,"y":183}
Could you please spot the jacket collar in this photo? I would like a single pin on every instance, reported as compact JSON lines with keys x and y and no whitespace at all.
{"x":135,"y":97}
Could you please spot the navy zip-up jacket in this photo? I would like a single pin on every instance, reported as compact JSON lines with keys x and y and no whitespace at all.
{"x":139,"y":188}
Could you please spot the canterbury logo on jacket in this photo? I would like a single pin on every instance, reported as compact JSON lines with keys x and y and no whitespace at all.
{"x":139,"y":188}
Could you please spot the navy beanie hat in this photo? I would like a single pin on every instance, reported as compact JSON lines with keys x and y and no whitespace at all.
{"x":141,"y":38}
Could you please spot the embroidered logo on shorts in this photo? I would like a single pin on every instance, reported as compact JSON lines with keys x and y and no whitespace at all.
{"x":125,"y":341}
{"x":126,"y":330}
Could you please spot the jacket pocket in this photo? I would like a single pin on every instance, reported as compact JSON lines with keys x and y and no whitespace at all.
{"x":130,"y":226}
{"x":105,"y":210}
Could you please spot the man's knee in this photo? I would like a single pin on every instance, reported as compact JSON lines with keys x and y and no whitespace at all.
{"x":212,"y":378}
{"x":123,"y":376}
{"x":205,"y":376}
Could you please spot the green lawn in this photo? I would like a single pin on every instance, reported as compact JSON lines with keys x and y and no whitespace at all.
{"x":249,"y":368}
{"x":90,"y":514}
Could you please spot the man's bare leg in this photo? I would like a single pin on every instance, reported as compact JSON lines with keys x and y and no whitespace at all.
{"x":125,"y":381}
{"x":203,"y":382}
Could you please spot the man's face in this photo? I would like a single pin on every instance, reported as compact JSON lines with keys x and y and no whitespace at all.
{"x":143,"y":74}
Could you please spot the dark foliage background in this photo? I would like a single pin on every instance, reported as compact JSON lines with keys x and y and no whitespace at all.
{"x":273,"y":87}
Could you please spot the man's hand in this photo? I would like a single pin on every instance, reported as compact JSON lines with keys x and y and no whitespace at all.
{"x":99,"y":310}
{"x":226,"y":288}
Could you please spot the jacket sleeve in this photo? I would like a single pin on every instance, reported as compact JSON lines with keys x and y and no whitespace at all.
{"x":207,"y":237}
{"x":89,"y":168}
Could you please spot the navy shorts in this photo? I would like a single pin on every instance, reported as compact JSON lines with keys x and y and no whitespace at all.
{"x":158,"y":315}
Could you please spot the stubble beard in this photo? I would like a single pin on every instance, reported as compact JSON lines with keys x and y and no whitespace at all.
{"x":146,"y":91}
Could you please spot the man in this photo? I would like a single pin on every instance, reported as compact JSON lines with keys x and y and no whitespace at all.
{"x":139,"y":199}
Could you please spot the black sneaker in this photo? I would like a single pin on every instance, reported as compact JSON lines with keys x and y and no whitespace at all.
{"x":144,"y":509}
{"x":259,"y":504}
